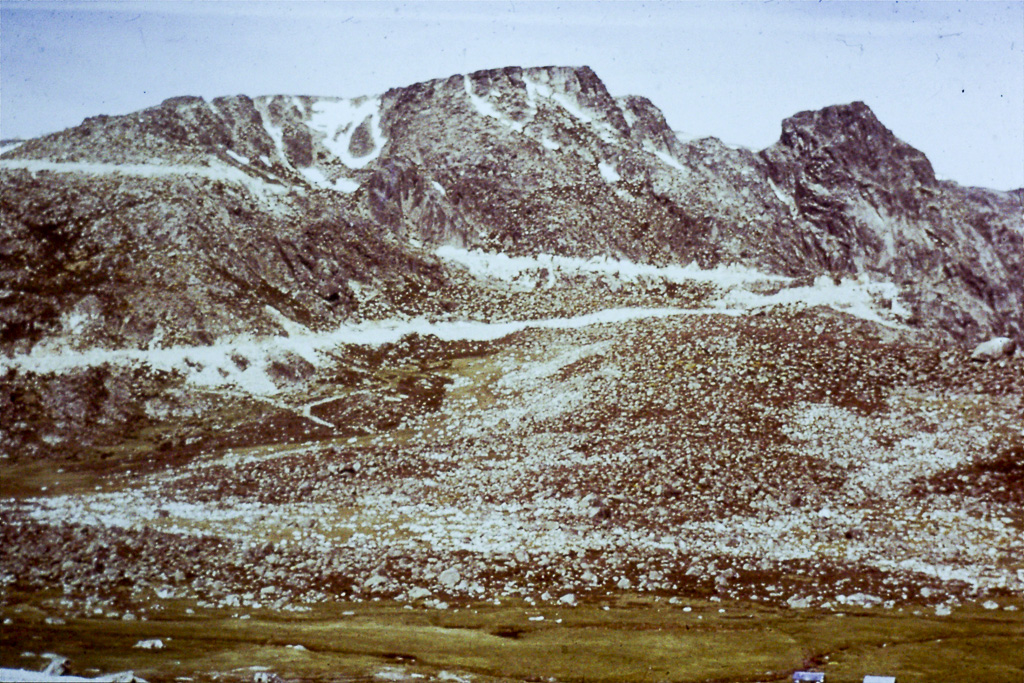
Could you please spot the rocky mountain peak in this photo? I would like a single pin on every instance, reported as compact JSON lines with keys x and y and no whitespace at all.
{"x":516,"y":93}
{"x":850,"y":136}
{"x":647,"y":123}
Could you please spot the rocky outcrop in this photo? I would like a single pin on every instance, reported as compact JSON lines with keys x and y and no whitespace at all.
{"x":188,"y":220}
{"x":871,"y":203}
{"x":994,"y":349}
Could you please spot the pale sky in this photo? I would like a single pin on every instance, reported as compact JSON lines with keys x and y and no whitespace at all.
{"x":946,"y":77}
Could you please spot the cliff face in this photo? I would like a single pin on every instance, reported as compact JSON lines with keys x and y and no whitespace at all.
{"x":876,"y":206}
{"x":191,"y":219}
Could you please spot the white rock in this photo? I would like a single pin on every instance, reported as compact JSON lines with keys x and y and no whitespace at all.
{"x":994,"y":349}
{"x":990,"y":604}
{"x":449,"y":577}
{"x":624,"y":583}
{"x":418,"y":593}
{"x":942,"y":611}
{"x":374,"y":581}
{"x":799,"y":603}
{"x":153,"y":644}
{"x":266,"y":677}
{"x":58,"y":665}
{"x":124,"y":677}
{"x":568,"y":599}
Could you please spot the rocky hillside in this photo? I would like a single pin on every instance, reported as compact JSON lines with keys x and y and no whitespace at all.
{"x":195,"y":219}
{"x":493,"y":378}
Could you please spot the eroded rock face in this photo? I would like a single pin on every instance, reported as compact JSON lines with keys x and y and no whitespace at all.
{"x":872,"y":203}
{"x":185,"y":221}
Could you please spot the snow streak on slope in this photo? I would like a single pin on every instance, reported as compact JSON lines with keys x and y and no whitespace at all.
{"x":276,"y":133}
{"x":536,"y":91}
{"x":221,"y":365}
{"x":877,"y":302}
{"x":338,"y":120}
{"x":874,"y":301}
{"x":8,"y":146}
{"x":316,"y":177}
{"x":221,"y":172}
{"x":503,"y":267}
{"x":243,"y":362}
{"x":485,"y":108}
{"x":666,"y":159}
{"x":237,"y":157}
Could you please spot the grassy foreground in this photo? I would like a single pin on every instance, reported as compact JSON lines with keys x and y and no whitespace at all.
{"x":622,"y":640}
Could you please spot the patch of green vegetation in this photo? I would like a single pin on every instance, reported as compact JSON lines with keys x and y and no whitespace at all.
{"x":621,"y":641}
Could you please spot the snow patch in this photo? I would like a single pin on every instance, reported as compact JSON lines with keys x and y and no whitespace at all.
{"x":338,"y":120}
{"x":316,"y":177}
{"x":994,"y":348}
{"x":858,"y":297}
{"x":608,"y":172}
{"x":485,"y":108}
{"x":216,"y":171}
{"x":503,"y":267}
{"x":219,"y":366}
{"x":8,"y":146}
{"x":237,"y":157}
{"x":665,"y":158}
{"x":152,"y":644}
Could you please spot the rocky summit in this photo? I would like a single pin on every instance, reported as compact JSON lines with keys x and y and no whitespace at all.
{"x":495,"y":377}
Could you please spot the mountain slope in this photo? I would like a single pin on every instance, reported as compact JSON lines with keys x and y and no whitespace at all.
{"x":496,"y":364}
{"x":523,"y":161}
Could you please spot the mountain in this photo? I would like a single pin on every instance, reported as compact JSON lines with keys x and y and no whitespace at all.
{"x":497,"y":365}
{"x":182,"y":222}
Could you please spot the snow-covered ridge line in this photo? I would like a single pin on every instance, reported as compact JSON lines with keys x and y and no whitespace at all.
{"x":221,"y":172}
{"x":221,"y":365}
{"x":504,"y":267}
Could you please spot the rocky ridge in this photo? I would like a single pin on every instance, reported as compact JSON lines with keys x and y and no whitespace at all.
{"x":313,"y":206}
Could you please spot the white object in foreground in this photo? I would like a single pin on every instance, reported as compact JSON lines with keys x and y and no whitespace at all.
{"x":808,"y":676}
{"x":154,"y":644}
{"x":879,"y":679}
{"x":994,"y":349}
